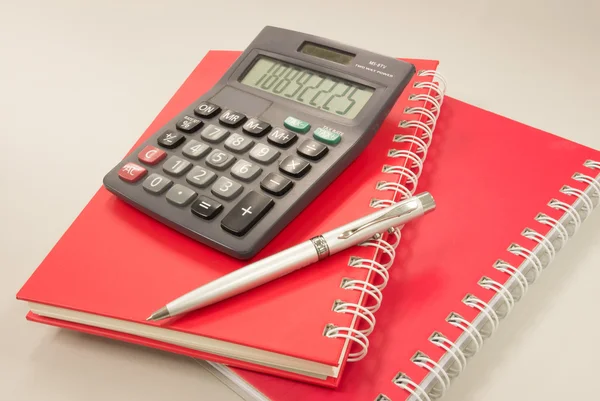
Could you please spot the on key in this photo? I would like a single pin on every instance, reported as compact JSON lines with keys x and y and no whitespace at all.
{"x":246,"y":213}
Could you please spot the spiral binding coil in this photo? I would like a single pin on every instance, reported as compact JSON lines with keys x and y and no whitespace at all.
{"x":404,"y":186}
{"x":456,"y":354}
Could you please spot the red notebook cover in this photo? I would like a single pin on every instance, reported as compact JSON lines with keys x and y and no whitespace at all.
{"x":112,"y":260}
{"x":491,"y":177}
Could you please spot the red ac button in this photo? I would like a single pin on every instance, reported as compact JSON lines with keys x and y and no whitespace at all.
{"x":151,"y":155}
{"x":131,"y":172}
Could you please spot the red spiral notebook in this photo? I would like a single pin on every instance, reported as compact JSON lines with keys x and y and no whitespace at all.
{"x":115,"y":265}
{"x":509,"y":198}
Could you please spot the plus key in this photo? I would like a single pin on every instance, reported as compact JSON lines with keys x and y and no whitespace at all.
{"x":247,"y":213}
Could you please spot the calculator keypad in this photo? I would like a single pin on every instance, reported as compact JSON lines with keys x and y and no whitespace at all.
{"x":276,"y":184}
{"x":264,"y":154}
{"x":176,"y":166}
{"x":200,"y":177}
{"x":282,"y":138}
{"x":206,"y":207}
{"x":256,"y":127}
{"x":195,"y":150}
{"x":312,"y":150}
{"x":132,"y":172}
{"x":219,"y":160}
{"x":223,"y":166}
{"x":151,"y":155}
{"x":189,"y":124}
{"x":206,"y":110}
{"x":157,"y":184}
{"x":170,"y":139}
{"x":232,"y":118}
{"x":294,"y":166}
{"x":246,"y":213}
{"x":238,"y":143}
{"x":214,"y":134}
{"x":245,"y":171}
{"x":180,"y":195}
{"x":226,"y":189}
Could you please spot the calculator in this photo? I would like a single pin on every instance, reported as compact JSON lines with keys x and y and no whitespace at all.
{"x":235,"y":166}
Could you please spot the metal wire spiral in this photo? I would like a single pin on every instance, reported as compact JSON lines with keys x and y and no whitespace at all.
{"x":506,"y":295}
{"x":424,"y":116}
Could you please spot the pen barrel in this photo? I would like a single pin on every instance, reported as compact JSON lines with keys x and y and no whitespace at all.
{"x":410,"y":209}
{"x":246,"y":278}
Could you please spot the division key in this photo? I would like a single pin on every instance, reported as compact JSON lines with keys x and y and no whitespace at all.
{"x":247,"y":213}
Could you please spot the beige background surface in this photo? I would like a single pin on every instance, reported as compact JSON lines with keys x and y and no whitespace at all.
{"x":80,"y":81}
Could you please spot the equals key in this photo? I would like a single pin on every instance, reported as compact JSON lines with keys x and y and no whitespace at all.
{"x":206,"y":207}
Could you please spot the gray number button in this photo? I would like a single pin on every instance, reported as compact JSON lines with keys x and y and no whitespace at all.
{"x":156,"y":184}
{"x":219,"y":159}
{"x":214,"y":134}
{"x":176,"y":166}
{"x":226,"y":188}
{"x":238,"y":143}
{"x":195,"y":150}
{"x":180,"y":195}
{"x":264,"y":154}
{"x":200,"y":177}
{"x":245,"y":171}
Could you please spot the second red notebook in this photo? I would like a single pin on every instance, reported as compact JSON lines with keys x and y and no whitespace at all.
{"x":509,"y":198}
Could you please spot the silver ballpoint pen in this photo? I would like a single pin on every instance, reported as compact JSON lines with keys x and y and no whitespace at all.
{"x":298,"y":256}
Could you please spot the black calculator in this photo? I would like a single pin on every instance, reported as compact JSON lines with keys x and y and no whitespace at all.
{"x":239,"y":163}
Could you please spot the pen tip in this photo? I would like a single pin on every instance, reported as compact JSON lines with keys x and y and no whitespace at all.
{"x":160,"y":314}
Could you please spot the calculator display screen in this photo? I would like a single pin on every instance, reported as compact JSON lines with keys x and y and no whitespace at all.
{"x":311,"y":88}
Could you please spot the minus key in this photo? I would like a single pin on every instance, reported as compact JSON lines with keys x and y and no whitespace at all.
{"x":276,"y":184}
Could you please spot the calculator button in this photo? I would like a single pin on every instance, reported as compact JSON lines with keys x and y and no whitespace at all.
{"x":281,"y":137}
{"x":214,"y":134}
{"x":238,"y":143}
{"x":170,"y":139}
{"x":226,"y":188}
{"x":245,"y":171}
{"x":189,"y":124}
{"x":195,"y":150}
{"x":296,"y":125}
{"x":176,"y":166}
{"x":294,"y":166}
{"x":276,"y":184}
{"x":200,"y":177}
{"x":156,"y":184}
{"x":219,"y":159}
{"x":247,"y":213}
{"x":264,"y":154}
{"x":312,"y":149}
{"x":131,"y":172}
{"x":232,"y":118}
{"x":206,"y":207}
{"x":180,"y":195}
{"x":206,"y":109}
{"x":326,"y":136}
{"x":256,"y":127}
{"x":151,"y":155}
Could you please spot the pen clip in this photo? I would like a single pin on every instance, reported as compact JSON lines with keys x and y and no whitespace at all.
{"x":397,"y":211}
